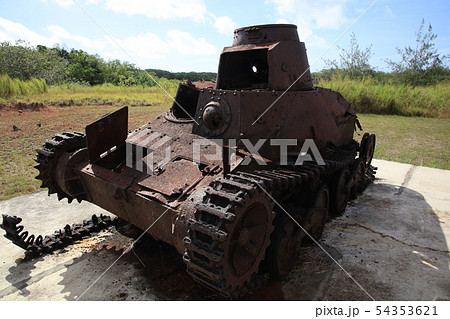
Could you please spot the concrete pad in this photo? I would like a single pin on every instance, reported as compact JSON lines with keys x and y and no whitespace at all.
{"x":393,"y":241}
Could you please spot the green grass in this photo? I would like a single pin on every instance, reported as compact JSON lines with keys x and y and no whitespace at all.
{"x":77,"y":95}
{"x":17,"y":147}
{"x":14,"y":87}
{"x":368,"y":96}
{"x":412,"y":140}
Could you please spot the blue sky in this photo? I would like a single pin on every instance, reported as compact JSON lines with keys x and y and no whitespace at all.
{"x":188,"y":35}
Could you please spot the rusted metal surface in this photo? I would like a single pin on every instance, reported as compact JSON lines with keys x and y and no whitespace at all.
{"x":204,"y":84}
{"x":109,"y":131}
{"x":174,"y":178}
{"x":38,"y":245}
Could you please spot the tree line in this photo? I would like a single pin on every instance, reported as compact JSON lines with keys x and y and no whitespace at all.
{"x":421,"y":64}
{"x":58,"y":65}
{"x":192,"y":76}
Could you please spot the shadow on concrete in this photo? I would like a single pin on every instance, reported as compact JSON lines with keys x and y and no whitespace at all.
{"x":390,"y":241}
{"x":20,"y":276}
{"x":151,"y":271}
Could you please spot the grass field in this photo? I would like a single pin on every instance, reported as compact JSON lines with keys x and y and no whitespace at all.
{"x":413,"y":140}
{"x":368,"y":96}
{"x":17,"y":147}
{"x":419,"y":141}
{"x":99,"y":95}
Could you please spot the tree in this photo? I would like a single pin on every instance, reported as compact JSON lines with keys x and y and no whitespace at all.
{"x":423,"y":64}
{"x":24,"y":62}
{"x":84,"y":67}
{"x":121,"y":73}
{"x":354,"y":62}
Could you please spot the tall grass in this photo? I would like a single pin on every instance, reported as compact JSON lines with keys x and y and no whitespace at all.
{"x":14,"y":87}
{"x":368,"y":96}
{"x":75,"y":94}
{"x":78,"y":94}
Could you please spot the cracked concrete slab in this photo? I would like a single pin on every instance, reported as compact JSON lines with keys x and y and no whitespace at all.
{"x":393,"y":241}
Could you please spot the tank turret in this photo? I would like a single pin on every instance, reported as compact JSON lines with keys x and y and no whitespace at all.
{"x":265,"y":57}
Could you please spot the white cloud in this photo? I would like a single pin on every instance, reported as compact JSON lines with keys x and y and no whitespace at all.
{"x":319,"y":14}
{"x":62,"y":33}
{"x":157,"y":9}
{"x":12,"y":31}
{"x":145,"y":45}
{"x":151,"y":46}
{"x":160,"y":9}
{"x":388,"y":12}
{"x":225,"y":25}
{"x":312,"y":15}
{"x":282,"y":21}
{"x":283,"y":7}
{"x":185,"y":43}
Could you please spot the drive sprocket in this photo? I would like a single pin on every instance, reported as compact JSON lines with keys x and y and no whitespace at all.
{"x":48,"y":157}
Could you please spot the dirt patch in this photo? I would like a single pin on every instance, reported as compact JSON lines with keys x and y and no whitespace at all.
{"x":22,"y":107}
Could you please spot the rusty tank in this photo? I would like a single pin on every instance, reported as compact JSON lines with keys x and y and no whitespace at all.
{"x":237,"y":175}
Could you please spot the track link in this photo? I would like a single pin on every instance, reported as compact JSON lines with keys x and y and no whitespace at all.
{"x":36,"y":246}
{"x":211,"y":233}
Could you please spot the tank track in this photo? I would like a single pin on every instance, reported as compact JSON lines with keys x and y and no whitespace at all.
{"x":47,"y":159}
{"x":36,"y":246}
{"x":204,"y":255}
{"x":210,"y":230}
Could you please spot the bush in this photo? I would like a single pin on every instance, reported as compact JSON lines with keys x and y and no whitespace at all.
{"x":24,"y":62}
{"x":369,"y":96}
{"x":11,"y":87}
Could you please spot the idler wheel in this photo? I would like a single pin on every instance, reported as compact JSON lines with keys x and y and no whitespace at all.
{"x":285,"y":243}
{"x":367,"y":148}
{"x":319,"y":213}
{"x":340,"y":192}
{"x":359,"y":179}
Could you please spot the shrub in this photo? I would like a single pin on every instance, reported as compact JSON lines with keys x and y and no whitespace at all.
{"x":11,"y":87}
